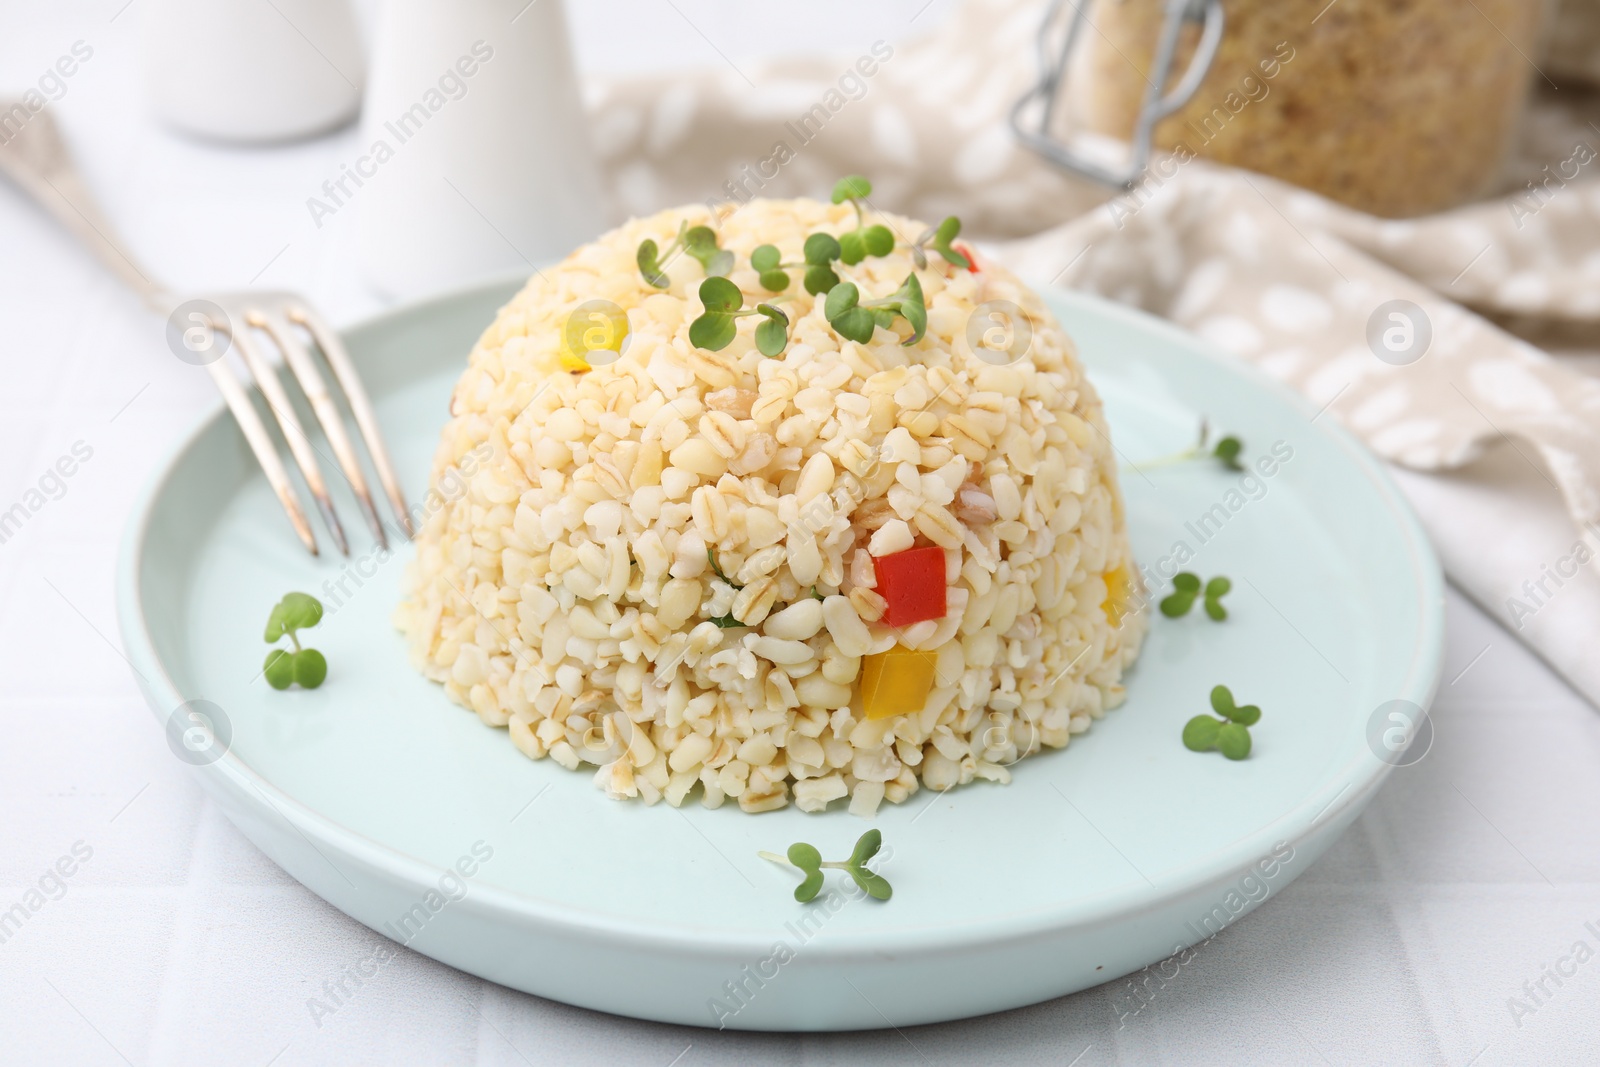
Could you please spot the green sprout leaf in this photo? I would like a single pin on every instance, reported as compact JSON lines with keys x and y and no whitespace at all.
{"x":841,"y":298}
{"x":805,"y":856}
{"x":275,"y":627}
{"x":1227,"y":450}
{"x":1200,"y":733}
{"x":909,"y":303}
{"x":712,"y":331}
{"x":768,"y":264}
{"x":1222,"y":702}
{"x":821,"y":249}
{"x":772,"y":334}
{"x":715,"y":329}
{"x":867,"y":846}
{"x":820,"y":279}
{"x":649,"y":262}
{"x":727,"y":622}
{"x":1177,"y":605}
{"x":296,"y":611}
{"x":809,"y":860}
{"x":1234,"y":741}
{"x":310,"y":668}
{"x":766,"y":257}
{"x":878,"y":240}
{"x":852,"y":249}
{"x":876,"y":885}
{"x":1216,"y":589}
{"x":854,"y":187}
{"x":948,"y":230}
{"x":300,"y":611}
{"x":845,"y":314}
{"x":719,"y":294}
{"x":700,"y":242}
{"x":279,"y":668}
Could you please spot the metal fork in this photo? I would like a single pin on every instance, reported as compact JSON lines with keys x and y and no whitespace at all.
{"x":37,"y":159}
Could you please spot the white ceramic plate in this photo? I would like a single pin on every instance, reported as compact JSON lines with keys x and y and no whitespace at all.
{"x":1095,"y":861}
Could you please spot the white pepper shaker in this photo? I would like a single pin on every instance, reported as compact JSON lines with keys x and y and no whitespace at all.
{"x":253,"y":70}
{"x":476,"y":147}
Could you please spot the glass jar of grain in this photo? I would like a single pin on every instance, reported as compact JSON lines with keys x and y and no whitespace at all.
{"x":1397,"y":107}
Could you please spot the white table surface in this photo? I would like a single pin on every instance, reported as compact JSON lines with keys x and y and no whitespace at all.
{"x":177,"y":942}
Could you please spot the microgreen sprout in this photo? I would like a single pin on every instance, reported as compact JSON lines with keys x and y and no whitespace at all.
{"x":724,"y":304}
{"x":296,"y":611}
{"x":1216,"y":589}
{"x":864,"y":240}
{"x":938,"y":238}
{"x":856,"y":321}
{"x":767,"y":262}
{"x":699,"y":242}
{"x":820,"y":250}
{"x":1186,"y":587}
{"x":810,"y":862}
{"x":1229,"y":734}
{"x":716,"y":568}
{"x":1225,"y":451}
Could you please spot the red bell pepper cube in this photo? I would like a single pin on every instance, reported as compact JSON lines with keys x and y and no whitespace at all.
{"x":912,"y":585}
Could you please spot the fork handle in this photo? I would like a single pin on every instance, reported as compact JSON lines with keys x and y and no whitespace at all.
{"x":37,"y":159}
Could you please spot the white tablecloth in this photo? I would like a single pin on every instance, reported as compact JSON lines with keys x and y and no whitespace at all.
{"x":1422,"y":937}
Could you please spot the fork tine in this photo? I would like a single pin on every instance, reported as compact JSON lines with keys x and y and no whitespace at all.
{"x":327,"y":412}
{"x":299,"y":444}
{"x":360,"y":406}
{"x":255,"y":434}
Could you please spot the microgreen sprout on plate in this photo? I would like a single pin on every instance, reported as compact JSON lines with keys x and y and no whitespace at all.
{"x":1226,"y":451}
{"x":810,"y":862}
{"x":1229,"y":734}
{"x":1186,"y":587}
{"x":283,"y":668}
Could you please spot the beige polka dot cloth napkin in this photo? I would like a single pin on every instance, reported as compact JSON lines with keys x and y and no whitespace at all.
{"x":1496,"y":442}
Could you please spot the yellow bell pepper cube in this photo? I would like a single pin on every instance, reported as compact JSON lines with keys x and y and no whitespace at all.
{"x":896,"y":682}
{"x":1119,"y":591}
{"x":595,"y":333}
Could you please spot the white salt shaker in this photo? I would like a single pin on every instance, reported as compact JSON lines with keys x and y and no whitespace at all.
{"x":477,"y":157}
{"x":253,"y":70}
